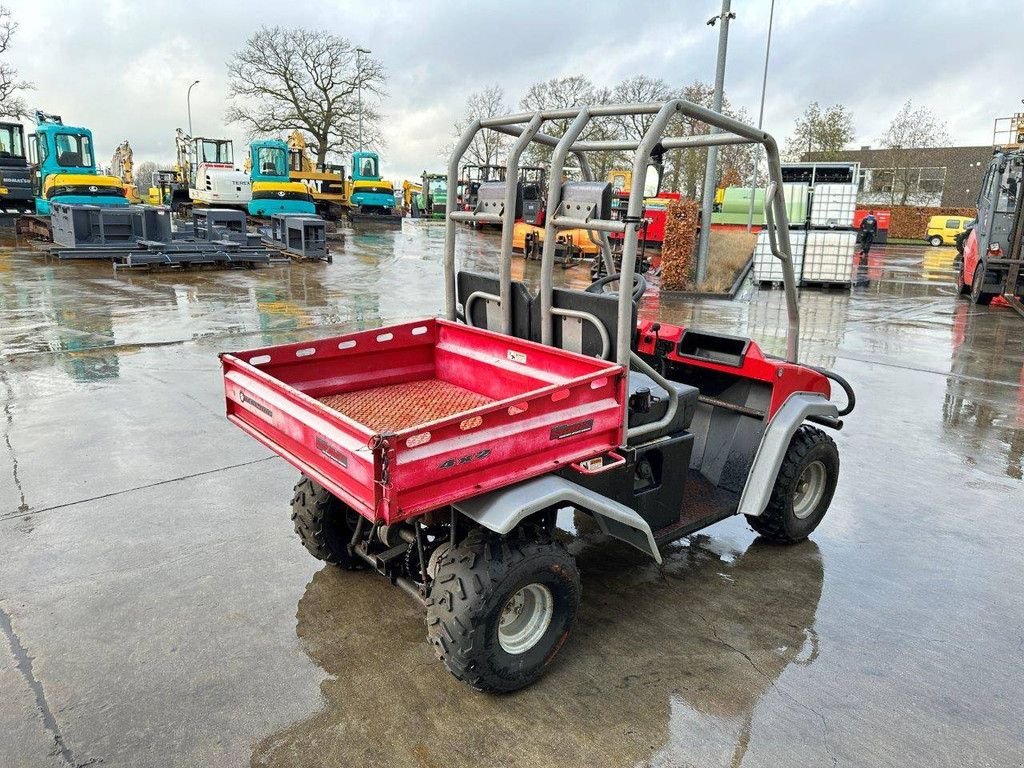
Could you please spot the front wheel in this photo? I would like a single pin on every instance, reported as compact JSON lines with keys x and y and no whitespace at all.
{"x":803,"y":488}
{"x":500,"y":609}
{"x":962,"y":288}
{"x":935,"y":241}
{"x":978,"y":296}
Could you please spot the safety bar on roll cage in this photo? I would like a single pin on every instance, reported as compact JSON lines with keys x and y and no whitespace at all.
{"x":525,"y":128}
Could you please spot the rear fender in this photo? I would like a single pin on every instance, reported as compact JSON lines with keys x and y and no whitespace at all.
{"x":970,"y":256}
{"x":799,"y":407}
{"x":501,"y":511}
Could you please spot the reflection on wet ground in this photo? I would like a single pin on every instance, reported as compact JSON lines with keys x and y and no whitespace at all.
{"x":159,"y":611}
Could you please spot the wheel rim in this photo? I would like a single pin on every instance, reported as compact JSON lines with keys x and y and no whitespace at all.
{"x":810,"y":487}
{"x":525,"y":618}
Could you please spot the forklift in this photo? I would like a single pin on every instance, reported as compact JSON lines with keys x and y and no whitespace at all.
{"x":992,"y":260}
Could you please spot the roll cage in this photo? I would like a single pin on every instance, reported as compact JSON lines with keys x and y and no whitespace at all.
{"x":526,"y":127}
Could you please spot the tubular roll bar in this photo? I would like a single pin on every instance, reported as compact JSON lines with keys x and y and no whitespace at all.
{"x":525,"y":128}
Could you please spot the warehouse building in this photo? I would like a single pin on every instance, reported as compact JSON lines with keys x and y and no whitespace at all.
{"x":938,"y":176}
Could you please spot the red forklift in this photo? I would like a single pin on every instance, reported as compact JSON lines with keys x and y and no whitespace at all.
{"x":990,"y":265}
{"x":441,"y":452}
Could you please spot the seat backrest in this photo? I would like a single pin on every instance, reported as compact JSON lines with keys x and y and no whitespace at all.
{"x":587,"y":199}
{"x":490,"y":197}
{"x":579,"y":335}
{"x":487,"y":314}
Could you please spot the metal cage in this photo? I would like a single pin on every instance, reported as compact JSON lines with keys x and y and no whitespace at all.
{"x":526,"y":128}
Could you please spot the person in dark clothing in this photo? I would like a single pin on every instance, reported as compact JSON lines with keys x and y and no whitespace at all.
{"x":868,"y":228}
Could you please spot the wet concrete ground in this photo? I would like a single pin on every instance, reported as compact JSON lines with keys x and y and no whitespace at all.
{"x":157,"y":609}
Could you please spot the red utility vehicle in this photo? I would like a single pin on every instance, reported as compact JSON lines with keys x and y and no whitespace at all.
{"x":440,"y":452}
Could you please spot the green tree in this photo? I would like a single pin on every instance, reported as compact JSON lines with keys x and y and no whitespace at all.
{"x":825,"y":132}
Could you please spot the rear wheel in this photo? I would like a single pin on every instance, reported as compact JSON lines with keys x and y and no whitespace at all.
{"x":978,"y":296}
{"x":500,"y":609}
{"x":803,"y":489}
{"x":324,"y":524}
{"x":935,"y":241}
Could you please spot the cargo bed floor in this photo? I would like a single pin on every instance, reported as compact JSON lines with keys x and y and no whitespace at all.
{"x":401,"y":406}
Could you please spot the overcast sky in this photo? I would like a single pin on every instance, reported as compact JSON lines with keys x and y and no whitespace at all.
{"x":122,"y":67}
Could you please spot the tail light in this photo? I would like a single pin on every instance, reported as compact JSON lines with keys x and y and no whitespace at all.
{"x":994,"y":248}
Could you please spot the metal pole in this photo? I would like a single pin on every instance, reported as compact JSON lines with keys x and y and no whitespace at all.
{"x":188,"y":100}
{"x":359,"y":91}
{"x":711,"y":167}
{"x":760,"y":118}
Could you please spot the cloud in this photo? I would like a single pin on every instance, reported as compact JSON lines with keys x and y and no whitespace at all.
{"x":122,"y":68}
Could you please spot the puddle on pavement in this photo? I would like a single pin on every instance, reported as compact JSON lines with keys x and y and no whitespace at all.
{"x":684,"y":674}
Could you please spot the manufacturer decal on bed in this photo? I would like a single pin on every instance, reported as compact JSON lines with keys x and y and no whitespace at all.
{"x":245,"y":399}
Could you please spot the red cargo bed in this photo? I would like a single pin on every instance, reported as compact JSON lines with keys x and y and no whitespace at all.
{"x":405,"y":419}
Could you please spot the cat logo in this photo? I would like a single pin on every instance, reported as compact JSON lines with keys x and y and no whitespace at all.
{"x":281,"y":193}
{"x":94,"y":188}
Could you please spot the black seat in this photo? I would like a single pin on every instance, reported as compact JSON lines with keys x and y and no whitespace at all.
{"x":487,"y":314}
{"x":648,"y":402}
{"x":577,"y":335}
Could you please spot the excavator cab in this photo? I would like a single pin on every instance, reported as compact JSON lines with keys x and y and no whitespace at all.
{"x":371,"y":197}
{"x":65,"y":167}
{"x":273,"y":191}
{"x":16,"y":184}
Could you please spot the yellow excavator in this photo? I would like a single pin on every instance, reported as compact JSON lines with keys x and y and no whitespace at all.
{"x":121,"y":165}
{"x":409,"y":191}
{"x":326,"y":182}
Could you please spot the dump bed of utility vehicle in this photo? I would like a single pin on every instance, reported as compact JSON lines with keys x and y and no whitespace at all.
{"x":401,"y":420}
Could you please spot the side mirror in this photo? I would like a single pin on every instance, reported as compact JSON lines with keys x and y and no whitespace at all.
{"x":652,"y":181}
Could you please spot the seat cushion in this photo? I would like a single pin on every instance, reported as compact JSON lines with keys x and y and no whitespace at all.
{"x":659,"y":404}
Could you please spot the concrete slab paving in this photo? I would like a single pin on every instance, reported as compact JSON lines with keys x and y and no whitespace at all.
{"x":158,"y":610}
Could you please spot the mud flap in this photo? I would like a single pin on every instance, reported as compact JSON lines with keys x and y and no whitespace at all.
{"x":501,"y":511}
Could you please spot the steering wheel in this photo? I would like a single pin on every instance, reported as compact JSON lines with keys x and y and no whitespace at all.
{"x":639,"y":284}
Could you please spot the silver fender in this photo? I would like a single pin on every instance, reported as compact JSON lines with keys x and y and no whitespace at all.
{"x":774,"y":445}
{"x":502,"y":510}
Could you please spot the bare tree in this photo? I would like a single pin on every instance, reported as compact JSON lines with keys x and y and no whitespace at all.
{"x":11,"y":87}
{"x":283,"y":79}
{"x":557,"y":93}
{"x":684,"y":168}
{"x":910,"y":131}
{"x":825,"y":132}
{"x":488,"y":146}
{"x":142,"y":174}
{"x":638,"y":89}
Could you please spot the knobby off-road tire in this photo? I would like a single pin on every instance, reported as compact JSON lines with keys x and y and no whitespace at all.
{"x":324,"y":524}
{"x":487,"y":606}
{"x":803,"y":489}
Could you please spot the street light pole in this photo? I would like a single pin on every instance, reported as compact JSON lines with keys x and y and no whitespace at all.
{"x":359,"y":91}
{"x":760,"y":118}
{"x":710,"y":168}
{"x":188,"y":100}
